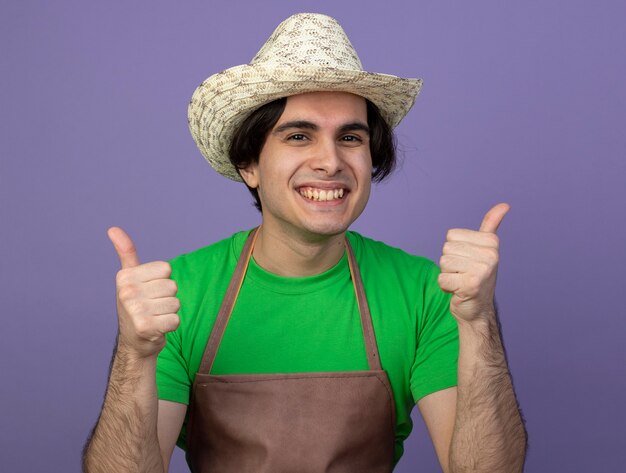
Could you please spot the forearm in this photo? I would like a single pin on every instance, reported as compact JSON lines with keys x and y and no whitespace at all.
{"x":489,"y":434}
{"x":125,"y":436}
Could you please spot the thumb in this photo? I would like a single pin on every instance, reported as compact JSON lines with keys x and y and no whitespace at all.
{"x":493,"y":218}
{"x":124,"y":247}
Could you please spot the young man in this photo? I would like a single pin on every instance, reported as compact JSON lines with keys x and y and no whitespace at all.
{"x":299,"y":345}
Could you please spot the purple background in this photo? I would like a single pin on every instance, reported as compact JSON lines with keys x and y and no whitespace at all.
{"x":523,"y":102}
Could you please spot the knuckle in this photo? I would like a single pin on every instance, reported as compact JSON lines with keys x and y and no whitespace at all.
{"x":122,"y":277}
{"x":156,"y":338}
{"x":128,"y":292}
{"x":455,"y":234}
{"x":136,"y":306}
{"x":172,"y":287}
{"x":173,"y":323}
{"x":484,"y":271}
{"x":165,"y":268}
{"x":494,"y":256}
{"x":168,"y":305}
{"x":473,"y":283}
{"x":444,"y":261}
{"x":444,"y":279}
{"x":141,"y":327}
{"x":493,"y":239}
{"x":144,"y":329}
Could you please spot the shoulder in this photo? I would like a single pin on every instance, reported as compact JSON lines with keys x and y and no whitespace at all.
{"x":380,"y":256}
{"x":218,"y":255}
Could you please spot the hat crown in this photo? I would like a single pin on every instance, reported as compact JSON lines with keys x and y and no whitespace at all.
{"x":309,"y":39}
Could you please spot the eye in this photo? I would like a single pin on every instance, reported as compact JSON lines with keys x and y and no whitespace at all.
{"x":297,"y":137}
{"x":351,"y":139}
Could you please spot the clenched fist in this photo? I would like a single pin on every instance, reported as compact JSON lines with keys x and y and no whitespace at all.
{"x":146,"y":299}
{"x":469,"y":265}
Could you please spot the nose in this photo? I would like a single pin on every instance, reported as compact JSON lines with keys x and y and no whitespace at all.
{"x":327,"y":157}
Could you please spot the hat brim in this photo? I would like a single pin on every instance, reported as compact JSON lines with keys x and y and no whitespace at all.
{"x":221,"y":103}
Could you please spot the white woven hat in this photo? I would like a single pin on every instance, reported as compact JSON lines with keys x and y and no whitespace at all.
{"x":307,"y":53}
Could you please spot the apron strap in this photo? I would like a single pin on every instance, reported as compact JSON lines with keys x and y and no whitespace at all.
{"x":373,"y":359}
{"x":227,"y":304}
{"x":236,"y":281}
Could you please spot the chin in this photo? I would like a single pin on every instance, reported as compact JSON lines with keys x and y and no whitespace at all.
{"x":326,"y":229}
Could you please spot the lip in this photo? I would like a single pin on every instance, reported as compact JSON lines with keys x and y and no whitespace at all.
{"x":323,"y":203}
{"x":326,"y":185}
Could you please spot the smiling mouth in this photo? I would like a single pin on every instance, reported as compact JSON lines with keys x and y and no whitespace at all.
{"x":322,"y":195}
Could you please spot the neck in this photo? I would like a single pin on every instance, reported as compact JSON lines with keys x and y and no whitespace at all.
{"x":287,"y":256}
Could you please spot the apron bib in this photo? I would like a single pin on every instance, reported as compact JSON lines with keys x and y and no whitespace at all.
{"x":339,"y":422}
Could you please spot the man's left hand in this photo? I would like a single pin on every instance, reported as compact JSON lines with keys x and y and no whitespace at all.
{"x":469,"y":265}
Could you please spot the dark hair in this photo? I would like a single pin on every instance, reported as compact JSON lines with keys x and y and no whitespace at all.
{"x":250,"y":137}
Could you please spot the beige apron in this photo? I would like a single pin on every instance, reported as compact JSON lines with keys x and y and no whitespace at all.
{"x":339,"y":422}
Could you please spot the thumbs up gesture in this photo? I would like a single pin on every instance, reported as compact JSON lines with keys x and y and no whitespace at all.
{"x":146,"y":299}
{"x":469,"y":265}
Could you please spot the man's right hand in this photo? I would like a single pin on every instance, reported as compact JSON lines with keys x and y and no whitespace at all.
{"x":146,"y":299}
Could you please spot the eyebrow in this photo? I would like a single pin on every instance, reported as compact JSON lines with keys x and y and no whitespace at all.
{"x":306,"y":125}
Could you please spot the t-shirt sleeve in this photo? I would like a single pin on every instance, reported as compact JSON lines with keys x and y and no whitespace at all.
{"x":172,"y":373}
{"x":436,"y":357}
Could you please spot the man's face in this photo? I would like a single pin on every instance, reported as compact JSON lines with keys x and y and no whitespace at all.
{"x":314,"y":170}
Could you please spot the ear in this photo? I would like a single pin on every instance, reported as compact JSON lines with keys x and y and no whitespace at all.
{"x":250,"y":175}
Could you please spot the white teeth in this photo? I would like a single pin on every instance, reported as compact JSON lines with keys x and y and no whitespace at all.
{"x":321,"y":195}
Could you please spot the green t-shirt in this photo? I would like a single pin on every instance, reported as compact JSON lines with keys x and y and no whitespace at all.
{"x":312,"y":324}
